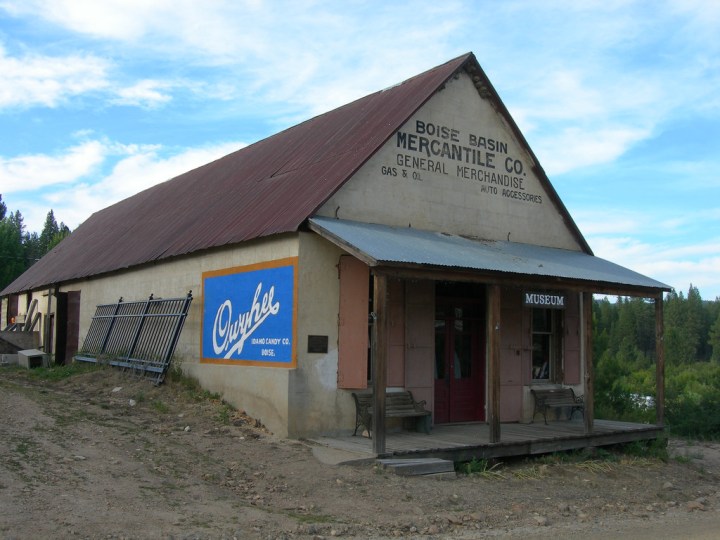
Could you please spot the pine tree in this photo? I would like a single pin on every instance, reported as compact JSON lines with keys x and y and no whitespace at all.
{"x":50,"y":230}
{"x":12,"y":256}
{"x":714,"y":339}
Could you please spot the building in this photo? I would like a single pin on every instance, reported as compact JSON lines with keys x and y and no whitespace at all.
{"x":417,"y":214}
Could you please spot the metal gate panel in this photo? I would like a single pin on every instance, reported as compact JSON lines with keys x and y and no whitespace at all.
{"x":141,"y":335}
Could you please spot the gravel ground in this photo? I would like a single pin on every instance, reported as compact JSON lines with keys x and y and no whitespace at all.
{"x":106,"y":455}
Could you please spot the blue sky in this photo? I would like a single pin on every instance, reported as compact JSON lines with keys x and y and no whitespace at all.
{"x":619,"y":100}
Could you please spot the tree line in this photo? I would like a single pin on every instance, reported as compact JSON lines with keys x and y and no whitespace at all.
{"x":624,"y":355}
{"x":20,"y":249}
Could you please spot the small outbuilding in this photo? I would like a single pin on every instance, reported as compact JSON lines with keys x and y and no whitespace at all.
{"x":407,"y":241}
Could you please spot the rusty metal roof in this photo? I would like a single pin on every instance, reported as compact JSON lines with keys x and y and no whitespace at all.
{"x":270,"y":187}
{"x":382,"y":245}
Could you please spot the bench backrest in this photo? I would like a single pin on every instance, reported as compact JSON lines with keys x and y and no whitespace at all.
{"x":394,"y":401}
{"x":555,"y":395}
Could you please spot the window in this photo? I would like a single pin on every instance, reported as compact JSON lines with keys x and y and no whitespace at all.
{"x":546,"y":345}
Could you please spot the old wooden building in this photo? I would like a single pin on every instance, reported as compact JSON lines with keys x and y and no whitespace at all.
{"x":409,"y":240}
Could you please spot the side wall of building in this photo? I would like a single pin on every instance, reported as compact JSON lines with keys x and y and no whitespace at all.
{"x":261,"y":391}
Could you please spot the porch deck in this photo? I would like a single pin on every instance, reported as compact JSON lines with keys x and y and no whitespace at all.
{"x":463,"y":442}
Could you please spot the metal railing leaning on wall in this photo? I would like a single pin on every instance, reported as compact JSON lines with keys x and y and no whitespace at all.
{"x":139,"y":336}
{"x":31,"y":320}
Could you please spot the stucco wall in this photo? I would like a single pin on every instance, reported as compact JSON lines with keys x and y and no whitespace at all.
{"x":408,"y":183}
{"x":261,"y":391}
{"x":315,"y":403}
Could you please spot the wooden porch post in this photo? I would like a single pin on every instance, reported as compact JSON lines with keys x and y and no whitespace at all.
{"x":659,"y":361}
{"x":587,"y":303}
{"x":379,"y":357}
{"x":494,"y":322}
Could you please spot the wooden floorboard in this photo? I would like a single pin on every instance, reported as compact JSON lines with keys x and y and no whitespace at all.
{"x":460,"y":441}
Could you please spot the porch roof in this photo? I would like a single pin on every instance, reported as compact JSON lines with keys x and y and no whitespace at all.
{"x":383,"y":245}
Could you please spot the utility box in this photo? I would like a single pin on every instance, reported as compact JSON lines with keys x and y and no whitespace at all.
{"x":32,"y":358}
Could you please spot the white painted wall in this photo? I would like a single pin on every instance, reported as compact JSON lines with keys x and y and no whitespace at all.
{"x":384,"y":191}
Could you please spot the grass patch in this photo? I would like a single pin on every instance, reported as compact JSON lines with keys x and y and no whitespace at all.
{"x":61,"y":372}
{"x":190,"y":385}
{"x":160,"y":406}
{"x":593,"y":460}
{"x":480,"y":467}
{"x":23,"y":448}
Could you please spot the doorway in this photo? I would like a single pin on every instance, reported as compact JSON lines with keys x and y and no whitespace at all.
{"x":459,"y":353}
{"x":68,"y":326}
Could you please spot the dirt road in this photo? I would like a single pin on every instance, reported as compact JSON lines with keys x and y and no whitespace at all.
{"x":104,"y":455}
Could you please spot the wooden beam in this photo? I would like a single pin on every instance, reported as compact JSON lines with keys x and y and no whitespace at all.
{"x":587,"y":304}
{"x":659,"y":361}
{"x":379,"y":358}
{"x":494,"y":321}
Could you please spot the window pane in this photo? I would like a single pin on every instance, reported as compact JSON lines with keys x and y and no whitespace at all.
{"x":463,"y":356}
{"x":542,"y":320}
{"x":541,"y":357}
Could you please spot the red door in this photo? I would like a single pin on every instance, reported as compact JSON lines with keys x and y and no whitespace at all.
{"x":459,"y":360}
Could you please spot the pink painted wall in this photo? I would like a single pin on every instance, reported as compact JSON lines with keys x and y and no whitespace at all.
{"x":420,"y":339}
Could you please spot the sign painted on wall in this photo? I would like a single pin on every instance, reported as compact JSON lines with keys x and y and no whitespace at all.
{"x":544,"y":300}
{"x":249,"y":314}
{"x":427,"y":148}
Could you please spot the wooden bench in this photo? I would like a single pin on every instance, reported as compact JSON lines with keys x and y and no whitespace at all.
{"x":398,"y":404}
{"x":555,"y":398}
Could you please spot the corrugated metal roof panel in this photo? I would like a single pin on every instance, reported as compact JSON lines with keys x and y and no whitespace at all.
{"x":383,"y":245}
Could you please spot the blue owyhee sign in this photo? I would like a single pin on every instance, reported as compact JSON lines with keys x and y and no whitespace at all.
{"x":249,"y":315}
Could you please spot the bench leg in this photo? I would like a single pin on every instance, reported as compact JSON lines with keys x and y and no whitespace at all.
{"x":423,"y":424}
{"x":542,"y":411}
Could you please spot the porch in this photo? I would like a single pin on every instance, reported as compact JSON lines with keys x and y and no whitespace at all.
{"x":463,"y":442}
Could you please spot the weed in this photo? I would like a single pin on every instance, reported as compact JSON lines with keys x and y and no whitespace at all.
{"x":224,"y":415}
{"x":160,"y":406}
{"x":654,"y":448}
{"x":23,"y":448}
{"x":533,"y":472}
{"x":480,"y":467}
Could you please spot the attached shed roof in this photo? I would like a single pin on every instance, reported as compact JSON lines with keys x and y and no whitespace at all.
{"x":270,"y":187}
{"x":382,"y":245}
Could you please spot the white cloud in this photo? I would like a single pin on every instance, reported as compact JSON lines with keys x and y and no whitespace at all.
{"x":147,"y":93}
{"x":313,"y":54}
{"x":138,"y":168}
{"x":605,"y":222}
{"x":572,"y":148}
{"x":676,"y":266}
{"x":25,"y":173}
{"x":118,"y":19}
{"x":48,"y":80}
